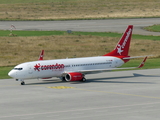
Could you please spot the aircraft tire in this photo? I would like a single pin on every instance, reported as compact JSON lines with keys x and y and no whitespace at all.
{"x":23,"y":83}
{"x":84,"y":79}
{"x":63,"y":79}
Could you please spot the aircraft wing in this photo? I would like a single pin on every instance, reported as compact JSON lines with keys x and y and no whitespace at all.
{"x":109,"y":69}
{"x":103,"y":70}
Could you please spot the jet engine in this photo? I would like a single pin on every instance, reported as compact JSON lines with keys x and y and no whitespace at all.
{"x":75,"y":76}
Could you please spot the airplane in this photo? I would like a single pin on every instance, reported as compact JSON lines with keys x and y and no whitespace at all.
{"x":75,"y":69}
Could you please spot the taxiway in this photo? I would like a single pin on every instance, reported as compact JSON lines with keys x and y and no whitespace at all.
{"x":126,"y":95}
{"x":108,"y":25}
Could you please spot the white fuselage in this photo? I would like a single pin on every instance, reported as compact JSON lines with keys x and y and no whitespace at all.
{"x":55,"y":68}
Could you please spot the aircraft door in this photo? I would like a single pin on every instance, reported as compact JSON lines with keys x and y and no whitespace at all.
{"x":30,"y":70}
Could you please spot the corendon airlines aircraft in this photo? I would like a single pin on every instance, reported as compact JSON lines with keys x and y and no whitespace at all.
{"x":75,"y":69}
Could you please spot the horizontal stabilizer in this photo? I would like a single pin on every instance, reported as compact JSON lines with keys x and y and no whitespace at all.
{"x":128,"y":58}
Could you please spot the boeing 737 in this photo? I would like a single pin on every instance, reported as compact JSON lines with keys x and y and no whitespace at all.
{"x":75,"y":69}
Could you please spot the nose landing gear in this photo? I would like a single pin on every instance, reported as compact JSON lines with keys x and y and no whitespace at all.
{"x":22,"y":82}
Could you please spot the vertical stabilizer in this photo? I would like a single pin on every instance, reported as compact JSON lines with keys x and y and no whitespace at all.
{"x":122,"y":48}
{"x":41,"y":55}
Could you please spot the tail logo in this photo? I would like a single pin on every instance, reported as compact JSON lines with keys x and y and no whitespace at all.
{"x":120,"y":47}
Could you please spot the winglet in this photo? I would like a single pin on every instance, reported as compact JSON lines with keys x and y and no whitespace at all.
{"x":41,"y":55}
{"x":142,"y":64}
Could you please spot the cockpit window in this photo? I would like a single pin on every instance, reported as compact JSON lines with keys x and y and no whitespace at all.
{"x":18,"y":68}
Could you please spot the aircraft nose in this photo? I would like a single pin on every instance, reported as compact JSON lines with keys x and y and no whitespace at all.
{"x":11,"y":74}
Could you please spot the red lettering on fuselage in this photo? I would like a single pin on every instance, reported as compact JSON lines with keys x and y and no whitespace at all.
{"x":39,"y":67}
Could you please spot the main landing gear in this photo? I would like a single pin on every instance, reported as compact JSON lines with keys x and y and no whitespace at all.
{"x":64,"y":80}
{"x":83,"y":79}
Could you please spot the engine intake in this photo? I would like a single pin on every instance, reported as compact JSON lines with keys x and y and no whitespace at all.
{"x":74,"y":76}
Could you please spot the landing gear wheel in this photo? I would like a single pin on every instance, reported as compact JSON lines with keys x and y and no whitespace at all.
{"x":84,"y":79}
{"x":22,"y":83}
{"x":63,"y":79}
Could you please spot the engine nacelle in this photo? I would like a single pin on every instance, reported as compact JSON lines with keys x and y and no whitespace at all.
{"x":75,"y":76}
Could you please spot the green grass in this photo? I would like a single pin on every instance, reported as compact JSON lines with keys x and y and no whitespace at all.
{"x":4,"y":72}
{"x":49,"y":33}
{"x":31,"y":33}
{"x":154,"y":28}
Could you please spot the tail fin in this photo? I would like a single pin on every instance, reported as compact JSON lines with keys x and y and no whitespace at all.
{"x":122,"y":48}
{"x":41,"y":55}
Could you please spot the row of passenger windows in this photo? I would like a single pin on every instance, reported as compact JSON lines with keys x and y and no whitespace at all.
{"x":89,"y":64}
{"x":77,"y":65}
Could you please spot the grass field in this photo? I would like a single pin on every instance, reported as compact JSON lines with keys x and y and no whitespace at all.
{"x":59,"y":44}
{"x":154,"y":28}
{"x":22,"y":48}
{"x":4,"y":72}
{"x":77,"y":9}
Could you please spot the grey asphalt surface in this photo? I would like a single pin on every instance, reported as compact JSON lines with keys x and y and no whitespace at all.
{"x":110,"y":25}
{"x":123,"y":95}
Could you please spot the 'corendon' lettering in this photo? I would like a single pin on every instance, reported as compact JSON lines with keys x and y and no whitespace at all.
{"x":39,"y":67}
{"x":120,"y":47}
{"x":127,"y":36}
